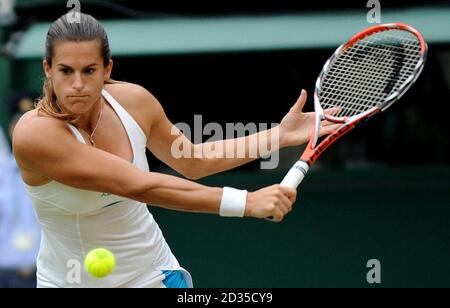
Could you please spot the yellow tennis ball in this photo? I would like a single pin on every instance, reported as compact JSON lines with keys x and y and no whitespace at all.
{"x":100,"y":262}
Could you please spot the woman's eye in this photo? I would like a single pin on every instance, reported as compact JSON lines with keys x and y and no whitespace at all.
{"x":90,"y":71}
{"x":66,"y":71}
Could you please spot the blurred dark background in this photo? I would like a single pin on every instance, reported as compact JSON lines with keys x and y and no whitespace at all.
{"x":51,"y":9}
{"x":382,"y":192}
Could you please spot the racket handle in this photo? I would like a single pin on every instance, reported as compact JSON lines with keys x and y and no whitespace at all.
{"x":295,"y":175}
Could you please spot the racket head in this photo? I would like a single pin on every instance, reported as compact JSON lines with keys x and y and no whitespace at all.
{"x":363,"y":77}
{"x":371,"y":71}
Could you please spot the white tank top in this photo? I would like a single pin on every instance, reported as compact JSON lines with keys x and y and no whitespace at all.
{"x":74,"y":221}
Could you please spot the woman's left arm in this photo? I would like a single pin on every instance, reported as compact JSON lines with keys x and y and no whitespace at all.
{"x":195,"y":161}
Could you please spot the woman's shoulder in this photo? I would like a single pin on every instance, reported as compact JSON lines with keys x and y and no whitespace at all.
{"x":36,"y":134}
{"x":127,"y":93}
{"x":33,"y":120}
{"x":138,"y":101}
{"x":33,"y":124}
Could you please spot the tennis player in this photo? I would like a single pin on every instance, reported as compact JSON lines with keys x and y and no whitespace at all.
{"x":82,"y":157}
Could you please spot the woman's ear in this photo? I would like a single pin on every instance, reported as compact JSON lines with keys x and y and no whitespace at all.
{"x":108,"y":70}
{"x":47,"y":69}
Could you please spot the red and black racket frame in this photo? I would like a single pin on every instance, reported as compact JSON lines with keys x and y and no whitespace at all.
{"x":313,"y":151}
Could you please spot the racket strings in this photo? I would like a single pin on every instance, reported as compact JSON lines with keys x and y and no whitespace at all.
{"x":363,"y":79}
{"x":368,"y":72}
{"x":407,"y":59}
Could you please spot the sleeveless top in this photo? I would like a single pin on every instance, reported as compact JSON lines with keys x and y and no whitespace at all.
{"x":74,"y":221}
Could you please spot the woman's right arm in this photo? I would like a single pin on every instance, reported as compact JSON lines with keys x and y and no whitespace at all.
{"x":47,"y":148}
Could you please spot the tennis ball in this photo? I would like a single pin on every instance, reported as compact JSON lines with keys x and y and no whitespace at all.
{"x":100,"y":262}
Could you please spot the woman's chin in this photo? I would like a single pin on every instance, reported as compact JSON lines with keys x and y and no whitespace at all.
{"x":79,"y":107}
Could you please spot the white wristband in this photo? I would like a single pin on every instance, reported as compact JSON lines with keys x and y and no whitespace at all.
{"x":233,"y":202}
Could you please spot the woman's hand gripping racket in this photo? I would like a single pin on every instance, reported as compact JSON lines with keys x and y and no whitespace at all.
{"x":362,"y":78}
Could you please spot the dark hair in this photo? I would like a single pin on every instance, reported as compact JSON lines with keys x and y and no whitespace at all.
{"x":86,"y":28}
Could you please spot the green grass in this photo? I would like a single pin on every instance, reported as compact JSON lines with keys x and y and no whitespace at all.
{"x":341,"y":220}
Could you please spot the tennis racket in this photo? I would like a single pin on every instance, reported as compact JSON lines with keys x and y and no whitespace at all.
{"x":362,"y":78}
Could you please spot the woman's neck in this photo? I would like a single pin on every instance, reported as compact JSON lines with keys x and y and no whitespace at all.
{"x":90,"y":120}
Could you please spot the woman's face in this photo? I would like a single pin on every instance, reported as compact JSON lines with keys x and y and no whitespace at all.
{"x":78,"y":75}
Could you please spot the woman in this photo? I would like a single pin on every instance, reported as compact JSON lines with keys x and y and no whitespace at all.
{"x":82,"y":157}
